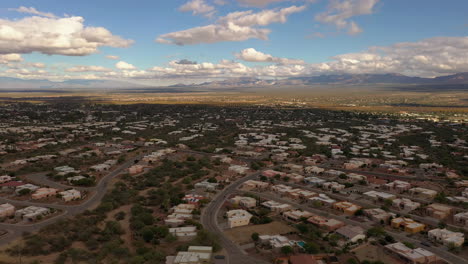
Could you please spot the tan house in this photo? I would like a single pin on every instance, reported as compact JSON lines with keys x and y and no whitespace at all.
{"x":238,"y":218}
{"x":44,"y":193}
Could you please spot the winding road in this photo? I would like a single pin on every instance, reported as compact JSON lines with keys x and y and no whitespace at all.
{"x":16,"y":230}
{"x":235,"y":254}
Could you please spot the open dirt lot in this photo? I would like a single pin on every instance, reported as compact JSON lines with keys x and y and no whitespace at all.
{"x":242,"y":235}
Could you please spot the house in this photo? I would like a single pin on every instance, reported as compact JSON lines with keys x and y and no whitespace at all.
{"x":28,"y":186}
{"x":194,"y":255}
{"x":313,"y":169}
{"x":296,"y":215}
{"x":295,"y":178}
{"x":322,"y":199}
{"x":397,"y":186}
{"x":193,"y":199}
{"x":408,"y":224}
{"x":136,"y":169}
{"x":5,"y":178}
{"x":423,"y":193}
{"x":206,"y":185}
{"x":184,"y":233}
{"x":254,"y":185}
{"x":73,"y":179}
{"x":100,"y":167}
{"x":447,"y":237}
{"x":276,"y":241}
{"x":281,"y":189}
{"x":379,"y":196}
{"x":238,"y":218}
{"x":31,"y":213}
{"x":314,"y":181}
{"x":64,"y":170}
{"x":333,"y":186}
{"x":461,"y":219}
{"x":272,"y":173}
{"x":6,"y":210}
{"x":239,"y":169}
{"x":346,"y":207}
{"x":247,"y":202}
{"x":276,"y":207}
{"x":44,"y":193}
{"x":411,"y":256}
{"x":378,"y":215}
{"x":353,"y":177}
{"x":439,"y":211}
{"x":179,"y":214}
{"x":352,"y":233}
{"x":405,"y":204}
{"x":328,"y":224}
{"x":70,"y":195}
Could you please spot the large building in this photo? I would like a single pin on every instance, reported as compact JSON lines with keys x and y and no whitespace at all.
{"x":238,"y":218}
{"x":194,"y":255}
{"x":411,"y":256}
{"x":439,"y":211}
{"x":346,"y":207}
{"x":408,"y":224}
{"x":244,"y":201}
{"x":447,"y":237}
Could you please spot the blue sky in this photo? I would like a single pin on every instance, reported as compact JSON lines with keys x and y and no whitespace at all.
{"x":314,"y":34}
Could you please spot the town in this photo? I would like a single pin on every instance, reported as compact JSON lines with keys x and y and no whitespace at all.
{"x":191,"y":184}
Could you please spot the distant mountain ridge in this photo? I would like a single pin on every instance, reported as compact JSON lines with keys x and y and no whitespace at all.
{"x":331,"y":79}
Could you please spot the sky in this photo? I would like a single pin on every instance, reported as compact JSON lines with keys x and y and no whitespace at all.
{"x":161,"y":42}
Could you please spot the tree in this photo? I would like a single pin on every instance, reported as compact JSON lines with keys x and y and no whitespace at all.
{"x":287,"y":250}
{"x":311,"y":248}
{"x":255,"y":237}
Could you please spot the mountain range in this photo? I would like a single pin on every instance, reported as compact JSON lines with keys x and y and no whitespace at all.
{"x":335,"y":79}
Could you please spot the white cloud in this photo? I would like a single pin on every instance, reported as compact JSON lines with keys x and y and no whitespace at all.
{"x":253,"y":55}
{"x":33,"y":11}
{"x":63,"y":36}
{"x":8,"y":58}
{"x":340,"y":11}
{"x":428,"y":57}
{"x":83,"y":68}
{"x":198,"y":7}
{"x":122,"y":65}
{"x":236,"y":26}
{"x":112,"y":57}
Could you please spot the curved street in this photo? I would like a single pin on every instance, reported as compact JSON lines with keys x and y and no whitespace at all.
{"x":16,"y":230}
{"x":235,"y":254}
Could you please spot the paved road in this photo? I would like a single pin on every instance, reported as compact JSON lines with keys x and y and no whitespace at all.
{"x":451,"y":258}
{"x":235,"y":255}
{"x":365,"y":203}
{"x":42,"y":179}
{"x":16,"y":230}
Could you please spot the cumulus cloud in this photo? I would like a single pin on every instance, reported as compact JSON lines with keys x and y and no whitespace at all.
{"x":428,"y":57}
{"x":236,"y":26}
{"x":340,"y":12}
{"x":33,"y":11}
{"x":63,"y":36}
{"x":112,"y":57}
{"x":82,"y":68}
{"x":198,"y":7}
{"x":185,"y":61}
{"x":253,"y":55}
{"x":8,"y":58}
{"x":122,"y":65}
